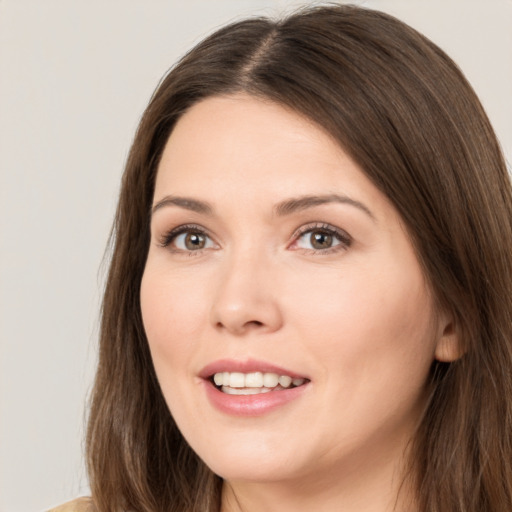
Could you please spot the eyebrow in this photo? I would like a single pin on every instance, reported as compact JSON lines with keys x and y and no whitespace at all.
{"x":304,"y":202}
{"x":184,"y":202}
{"x":283,"y":208}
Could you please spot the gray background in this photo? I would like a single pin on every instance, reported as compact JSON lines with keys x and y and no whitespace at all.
{"x":75,"y":76}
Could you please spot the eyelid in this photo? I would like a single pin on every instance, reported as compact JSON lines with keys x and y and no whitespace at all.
{"x":165,"y":240}
{"x":344,"y":238}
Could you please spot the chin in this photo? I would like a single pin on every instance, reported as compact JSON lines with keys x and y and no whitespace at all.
{"x":252,"y":471}
{"x":255,"y":462}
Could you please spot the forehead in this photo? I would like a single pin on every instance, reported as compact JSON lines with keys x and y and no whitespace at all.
{"x":250,"y":146}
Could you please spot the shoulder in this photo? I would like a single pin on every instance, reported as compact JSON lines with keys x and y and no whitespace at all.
{"x":78,"y":505}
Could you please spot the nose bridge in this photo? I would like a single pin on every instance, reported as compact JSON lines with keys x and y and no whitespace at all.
{"x":246,"y":295}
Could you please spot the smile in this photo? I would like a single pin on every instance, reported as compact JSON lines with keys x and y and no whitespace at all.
{"x":238,"y":383}
{"x":250,"y":387}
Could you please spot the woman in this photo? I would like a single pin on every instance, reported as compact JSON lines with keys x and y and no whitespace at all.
{"x":309,"y":299}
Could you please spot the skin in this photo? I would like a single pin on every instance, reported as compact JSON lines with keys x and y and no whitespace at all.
{"x":357,"y":318}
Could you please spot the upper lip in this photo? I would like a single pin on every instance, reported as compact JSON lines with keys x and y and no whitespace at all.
{"x":245,"y":366}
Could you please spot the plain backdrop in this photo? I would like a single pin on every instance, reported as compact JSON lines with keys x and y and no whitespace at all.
{"x":75,"y":76}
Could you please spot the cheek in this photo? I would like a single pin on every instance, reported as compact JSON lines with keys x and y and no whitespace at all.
{"x":171,"y":318}
{"x":374,"y":344}
{"x":172,"y":321}
{"x":368,"y":323}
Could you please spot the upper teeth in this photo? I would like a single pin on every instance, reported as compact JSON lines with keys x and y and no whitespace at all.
{"x":255,"y":380}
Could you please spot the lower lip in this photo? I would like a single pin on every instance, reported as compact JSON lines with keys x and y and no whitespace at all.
{"x":251,"y":405}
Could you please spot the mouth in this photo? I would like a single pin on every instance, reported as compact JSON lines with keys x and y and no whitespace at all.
{"x":254,"y":383}
{"x":250,"y":388}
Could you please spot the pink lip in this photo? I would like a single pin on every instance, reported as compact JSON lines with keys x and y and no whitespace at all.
{"x":248,"y":405}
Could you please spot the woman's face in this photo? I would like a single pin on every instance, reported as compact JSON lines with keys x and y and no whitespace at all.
{"x":279,"y":271}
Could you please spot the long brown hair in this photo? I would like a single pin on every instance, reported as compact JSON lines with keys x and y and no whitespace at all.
{"x":405,"y":113}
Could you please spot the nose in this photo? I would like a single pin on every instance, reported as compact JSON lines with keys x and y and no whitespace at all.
{"x":247,"y":297}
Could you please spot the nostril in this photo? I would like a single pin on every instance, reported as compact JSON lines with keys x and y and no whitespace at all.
{"x":253,"y":324}
{"x":246,"y":326}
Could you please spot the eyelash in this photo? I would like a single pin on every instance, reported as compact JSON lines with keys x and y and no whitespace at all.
{"x":344,"y":239}
{"x":168,"y":238}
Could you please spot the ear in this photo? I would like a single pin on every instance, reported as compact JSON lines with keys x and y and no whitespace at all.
{"x":449,"y":347}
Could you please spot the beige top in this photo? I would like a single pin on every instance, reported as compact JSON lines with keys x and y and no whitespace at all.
{"x":79,"y":505}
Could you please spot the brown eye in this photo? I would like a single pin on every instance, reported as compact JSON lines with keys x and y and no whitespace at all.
{"x":194,"y":241}
{"x":186,"y":239}
{"x":320,"y":240}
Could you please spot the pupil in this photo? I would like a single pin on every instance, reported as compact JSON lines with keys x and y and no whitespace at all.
{"x":321,"y":240}
{"x":194,"y":241}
